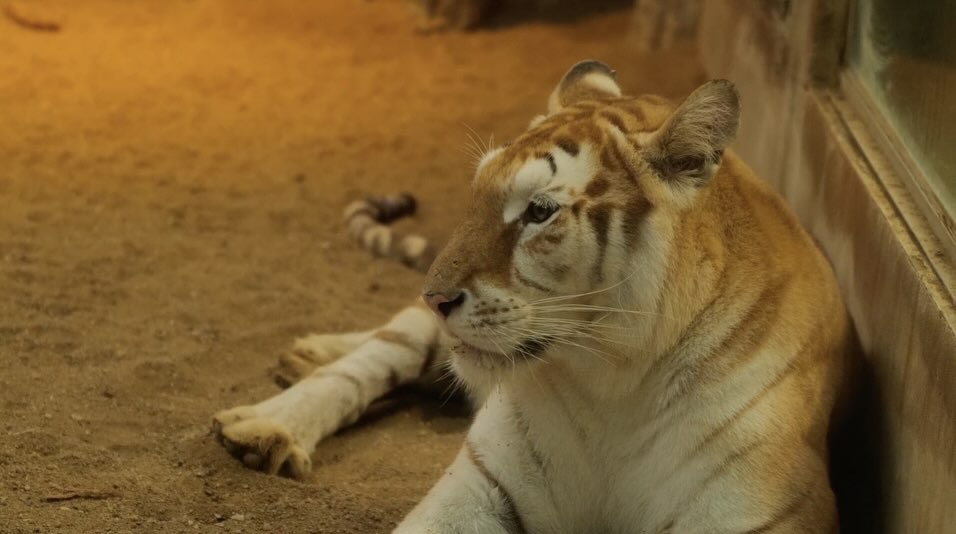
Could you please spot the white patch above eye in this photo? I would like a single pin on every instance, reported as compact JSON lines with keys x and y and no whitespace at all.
{"x":572,"y":173}
{"x":534,"y":175}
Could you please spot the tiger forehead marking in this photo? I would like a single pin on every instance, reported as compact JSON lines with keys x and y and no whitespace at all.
{"x":556,"y":172}
{"x":566,"y":154}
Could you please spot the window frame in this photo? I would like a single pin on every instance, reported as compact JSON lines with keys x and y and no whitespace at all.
{"x":893,"y":165}
{"x":895,"y":168}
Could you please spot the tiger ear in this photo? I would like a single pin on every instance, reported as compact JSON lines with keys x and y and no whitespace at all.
{"x":586,"y":80}
{"x":688,"y":147}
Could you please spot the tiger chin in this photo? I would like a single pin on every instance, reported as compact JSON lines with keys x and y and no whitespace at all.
{"x":652,"y":341}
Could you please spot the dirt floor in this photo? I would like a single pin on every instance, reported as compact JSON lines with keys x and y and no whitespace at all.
{"x":171,"y":180}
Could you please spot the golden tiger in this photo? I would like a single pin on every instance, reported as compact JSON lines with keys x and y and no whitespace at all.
{"x":653,"y":342}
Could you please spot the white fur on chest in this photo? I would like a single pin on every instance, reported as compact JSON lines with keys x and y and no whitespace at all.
{"x":580,"y":462}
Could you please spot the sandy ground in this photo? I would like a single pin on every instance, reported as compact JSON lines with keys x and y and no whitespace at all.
{"x":171,"y":179}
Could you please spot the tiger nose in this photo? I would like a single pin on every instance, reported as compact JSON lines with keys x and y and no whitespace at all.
{"x":444,"y":302}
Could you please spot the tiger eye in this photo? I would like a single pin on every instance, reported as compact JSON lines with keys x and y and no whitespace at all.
{"x":538,"y":212}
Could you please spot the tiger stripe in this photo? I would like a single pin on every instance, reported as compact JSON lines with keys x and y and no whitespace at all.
{"x":721,"y":469}
{"x":398,"y":338}
{"x":600,"y":218}
{"x":511,"y":517}
{"x":613,"y":158}
{"x":568,"y":145}
{"x":597,"y":187}
{"x":524,"y":430}
{"x":525,"y":281}
{"x":330,"y":373}
{"x":778,"y":518}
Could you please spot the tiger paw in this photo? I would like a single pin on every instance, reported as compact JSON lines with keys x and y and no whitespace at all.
{"x":260,"y":442}
{"x":306,"y":355}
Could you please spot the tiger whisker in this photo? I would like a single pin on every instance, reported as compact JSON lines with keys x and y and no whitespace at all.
{"x":585,"y":336}
{"x":492,"y":338}
{"x":582,"y":333}
{"x":589,"y":293}
{"x":622,"y":326}
{"x":565,"y":341}
{"x":502,"y":351}
{"x":516,"y":342}
{"x":592,"y":307}
{"x":472,"y":153}
{"x":484,"y":148}
{"x":556,"y":325}
{"x":455,"y":383}
{"x":584,"y":326}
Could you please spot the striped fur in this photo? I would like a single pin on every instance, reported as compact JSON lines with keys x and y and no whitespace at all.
{"x":654,"y":343}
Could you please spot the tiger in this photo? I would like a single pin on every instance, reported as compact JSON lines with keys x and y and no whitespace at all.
{"x":651,"y":340}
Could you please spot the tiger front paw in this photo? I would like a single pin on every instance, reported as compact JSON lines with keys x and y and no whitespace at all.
{"x":260,"y":442}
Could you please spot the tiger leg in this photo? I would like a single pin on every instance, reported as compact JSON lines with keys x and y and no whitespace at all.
{"x":494,"y":485}
{"x":463,"y":500}
{"x":313,"y":350}
{"x":278,"y":435}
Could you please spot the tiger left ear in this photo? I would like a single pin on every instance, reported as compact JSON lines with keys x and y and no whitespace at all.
{"x":690,"y":144}
{"x":586,"y":80}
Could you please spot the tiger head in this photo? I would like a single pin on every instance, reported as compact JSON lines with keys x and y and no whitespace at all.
{"x":570,"y":225}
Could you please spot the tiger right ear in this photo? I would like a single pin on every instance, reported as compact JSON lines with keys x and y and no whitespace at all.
{"x":586,"y":80}
{"x":688,"y":147}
